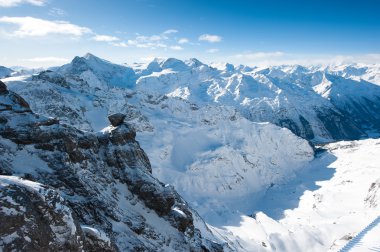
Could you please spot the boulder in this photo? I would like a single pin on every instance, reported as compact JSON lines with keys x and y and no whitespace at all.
{"x":116,"y":119}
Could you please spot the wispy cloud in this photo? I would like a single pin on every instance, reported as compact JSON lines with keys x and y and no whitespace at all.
{"x":152,"y":41}
{"x":30,"y":27}
{"x":14,"y":3}
{"x":213,"y":50}
{"x":170,"y":31}
{"x":183,"y":41}
{"x":119,"y":44}
{"x":35,"y":27}
{"x":210,"y":38}
{"x":105,"y":38}
{"x":44,"y":59}
{"x":176,"y":48}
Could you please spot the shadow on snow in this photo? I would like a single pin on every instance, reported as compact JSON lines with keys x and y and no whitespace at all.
{"x":281,"y":197}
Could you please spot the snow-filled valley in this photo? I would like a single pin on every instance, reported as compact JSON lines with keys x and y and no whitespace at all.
{"x":267,"y":159}
{"x":326,"y":205}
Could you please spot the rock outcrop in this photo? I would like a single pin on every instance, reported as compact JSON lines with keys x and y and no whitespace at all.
{"x":116,"y":119}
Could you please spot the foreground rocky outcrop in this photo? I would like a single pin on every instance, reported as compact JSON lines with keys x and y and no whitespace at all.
{"x":67,"y":190}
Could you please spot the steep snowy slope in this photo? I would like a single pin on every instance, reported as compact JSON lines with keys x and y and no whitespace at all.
{"x":85,"y":191}
{"x":223,"y":158}
{"x":359,"y":100}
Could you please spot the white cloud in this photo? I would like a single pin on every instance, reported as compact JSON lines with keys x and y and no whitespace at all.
{"x":176,"y":48}
{"x":170,"y":31}
{"x":47,"y":59}
{"x":105,"y":38}
{"x":213,"y":50}
{"x":44,"y":59}
{"x":119,"y":44}
{"x":210,"y":38}
{"x":183,"y":41}
{"x":35,"y":27}
{"x":152,"y":41}
{"x":13,"y":3}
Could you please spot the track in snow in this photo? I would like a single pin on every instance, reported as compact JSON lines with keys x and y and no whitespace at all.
{"x":366,"y":240}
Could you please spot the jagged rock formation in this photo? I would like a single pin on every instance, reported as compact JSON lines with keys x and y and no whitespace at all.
{"x":91,"y":192}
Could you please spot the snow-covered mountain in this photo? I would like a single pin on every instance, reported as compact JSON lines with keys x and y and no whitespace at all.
{"x":5,"y":72}
{"x":318,"y":104}
{"x":212,"y":131}
{"x":207,"y":151}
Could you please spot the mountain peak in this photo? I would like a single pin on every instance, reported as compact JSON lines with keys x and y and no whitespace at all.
{"x":90,"y":56}
{"x":174,"y":64}
{"x":195,"y":62}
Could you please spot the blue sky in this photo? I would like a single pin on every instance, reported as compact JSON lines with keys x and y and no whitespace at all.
{"x":51,"y":32}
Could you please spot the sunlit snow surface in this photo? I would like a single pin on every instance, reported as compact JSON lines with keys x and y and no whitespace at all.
{"x":329,"y":202}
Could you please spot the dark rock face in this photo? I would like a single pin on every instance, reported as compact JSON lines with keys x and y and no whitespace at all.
{"x":12,"y":101}
{"x":96,"y":189}
{"x":52,"y":77}
{"x":3,"y":87}
{"x":373,"y":196}
{"x":36,"y":218}
{"x":336,"y":124}
{"x":339,"y":127}
{"x":116,"y":119}
{"x":308,"y":131}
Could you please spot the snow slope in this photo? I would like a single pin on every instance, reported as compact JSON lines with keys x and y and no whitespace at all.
{"x":330,"y":201}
